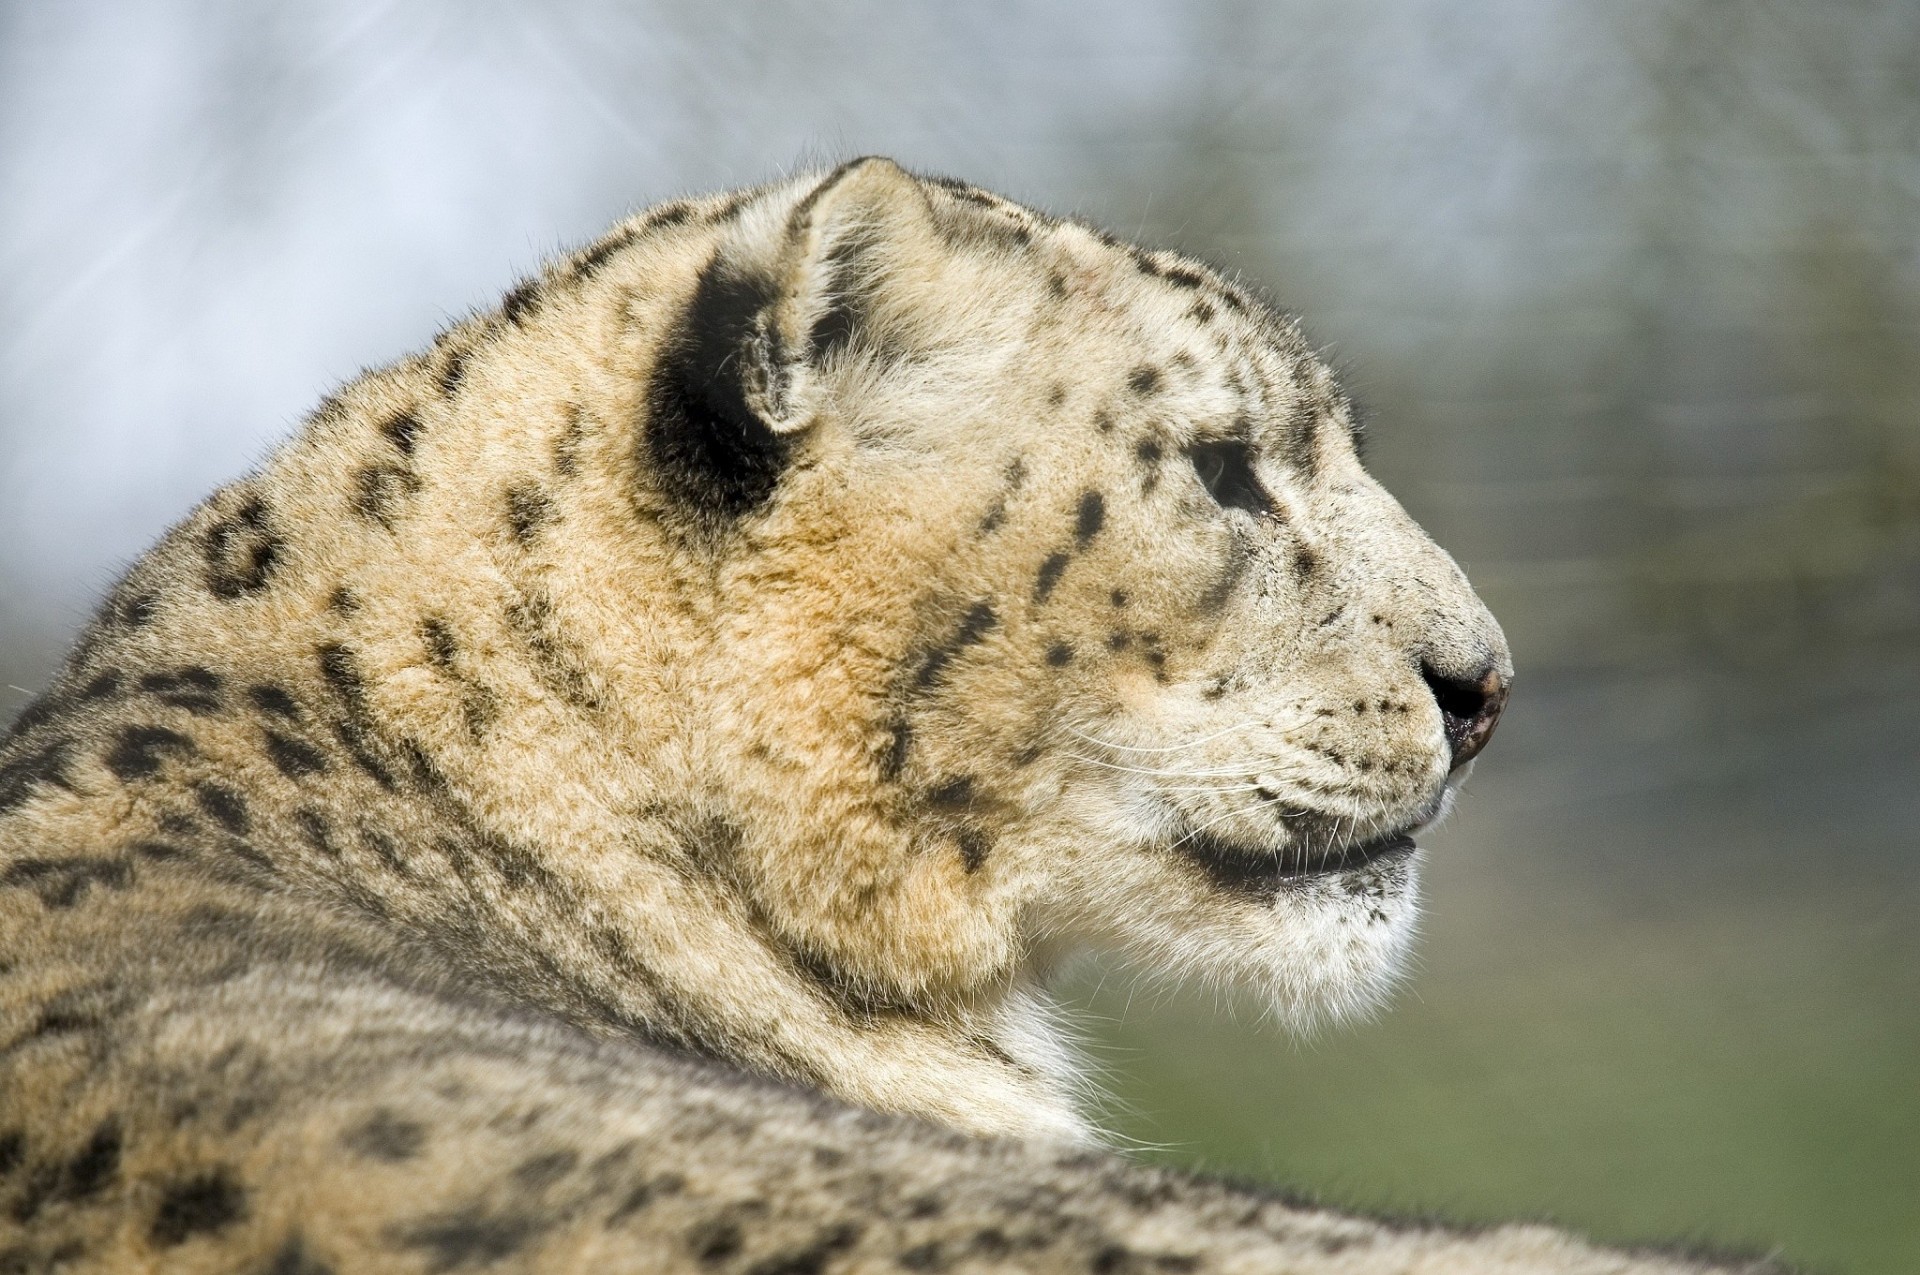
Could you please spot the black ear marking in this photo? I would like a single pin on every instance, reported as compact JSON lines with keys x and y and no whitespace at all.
{"x":716,"y":455}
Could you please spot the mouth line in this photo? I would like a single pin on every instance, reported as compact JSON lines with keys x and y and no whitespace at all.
{"x":1246,"y":869}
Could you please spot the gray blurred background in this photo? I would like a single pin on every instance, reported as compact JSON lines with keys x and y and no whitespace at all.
{"x":1631,"y":290}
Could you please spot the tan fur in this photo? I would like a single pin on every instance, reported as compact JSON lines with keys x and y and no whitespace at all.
{"x":418,"y":787}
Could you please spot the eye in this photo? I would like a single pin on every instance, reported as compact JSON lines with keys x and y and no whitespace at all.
{"x":1225,"y":469}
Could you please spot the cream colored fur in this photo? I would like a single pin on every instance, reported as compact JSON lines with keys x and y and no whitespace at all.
{"x":781,"y":633}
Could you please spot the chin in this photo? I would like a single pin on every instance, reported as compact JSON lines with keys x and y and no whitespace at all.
{"x":1312,"y":948}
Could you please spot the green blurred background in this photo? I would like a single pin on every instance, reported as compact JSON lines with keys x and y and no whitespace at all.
{"x":1632,"y":291}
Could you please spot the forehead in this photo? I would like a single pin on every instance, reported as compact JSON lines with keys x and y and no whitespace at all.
{"x":1195,"y":350}
{"x":1156,"y":340}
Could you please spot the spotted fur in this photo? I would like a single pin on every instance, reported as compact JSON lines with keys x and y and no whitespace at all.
{"x":607,"y":793}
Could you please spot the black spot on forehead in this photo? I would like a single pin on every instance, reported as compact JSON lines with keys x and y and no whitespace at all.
{"x":520,"y":303}
{"x":468,"y":1237}
{"x":975,"y":845}
{"x":437,"y":636}
{"x":528,"y":510}
{"x":973,"y":627}
{"x":241,"y":550}
{"x":342,"y":601}
{"x":453,"y":372}
{"x":672,"y":214}
{"x":223,"y":805}
{"x":202,"y":1205}
{"x":539,"y":1171}
{"x":403,"y":431}
{"x":1200,"y":312}
{"x":899,"y":742}
{"x":294,"y":758}
{"x":381,"y":490}
{"x":1059,"y":655}
{"x":194,"y":688}
{"x":139,"y":750}
{"x":341,"y":669}
{"x":386,"y":1135}
{"x":96,"y":1164}
{"x":45,"y":766}
{"x":1089,"y":517}
{"x":1304,"y":562}
{"x":274,"y":700}
{"x":566,"y":449}
{"x":597,"y":256}
{"x":314,"y":827}
{"x":1056,"y":394}
{"x":1144,"y":379}
{"x":138,"y":610}
{"x":292,"y":1258}
{"x":1182,"y":277}
{"x":385,"y":848}
{"x":62,"y":883}
{"x":953,"y":794}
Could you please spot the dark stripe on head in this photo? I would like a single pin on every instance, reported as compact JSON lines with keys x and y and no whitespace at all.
{"x":294,"y":758}
{"x":976,"y":624}
{"x":271,"y":699}
{"x":1050,"y":572}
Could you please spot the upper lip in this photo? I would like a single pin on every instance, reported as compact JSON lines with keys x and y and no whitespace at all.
{"x":1256,"y":869}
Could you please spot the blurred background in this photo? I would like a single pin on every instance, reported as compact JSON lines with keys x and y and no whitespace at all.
{"x":1630,"y":288}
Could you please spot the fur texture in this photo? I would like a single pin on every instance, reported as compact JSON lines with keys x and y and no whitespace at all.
{"x":712,"y":688}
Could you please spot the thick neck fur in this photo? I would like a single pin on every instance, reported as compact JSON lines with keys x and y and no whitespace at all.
{"x":443,"y":661}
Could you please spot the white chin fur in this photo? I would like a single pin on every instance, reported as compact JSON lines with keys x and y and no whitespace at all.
{"x":1319,"y":950}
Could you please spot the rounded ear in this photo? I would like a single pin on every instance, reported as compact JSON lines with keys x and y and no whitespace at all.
{"x":865,"y":226}
{"x":787,"y":288}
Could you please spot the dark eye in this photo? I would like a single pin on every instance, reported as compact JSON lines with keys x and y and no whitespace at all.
{"x":1225,"y":468}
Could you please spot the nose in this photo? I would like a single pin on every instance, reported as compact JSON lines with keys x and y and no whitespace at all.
{"x":1469,"y":708}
